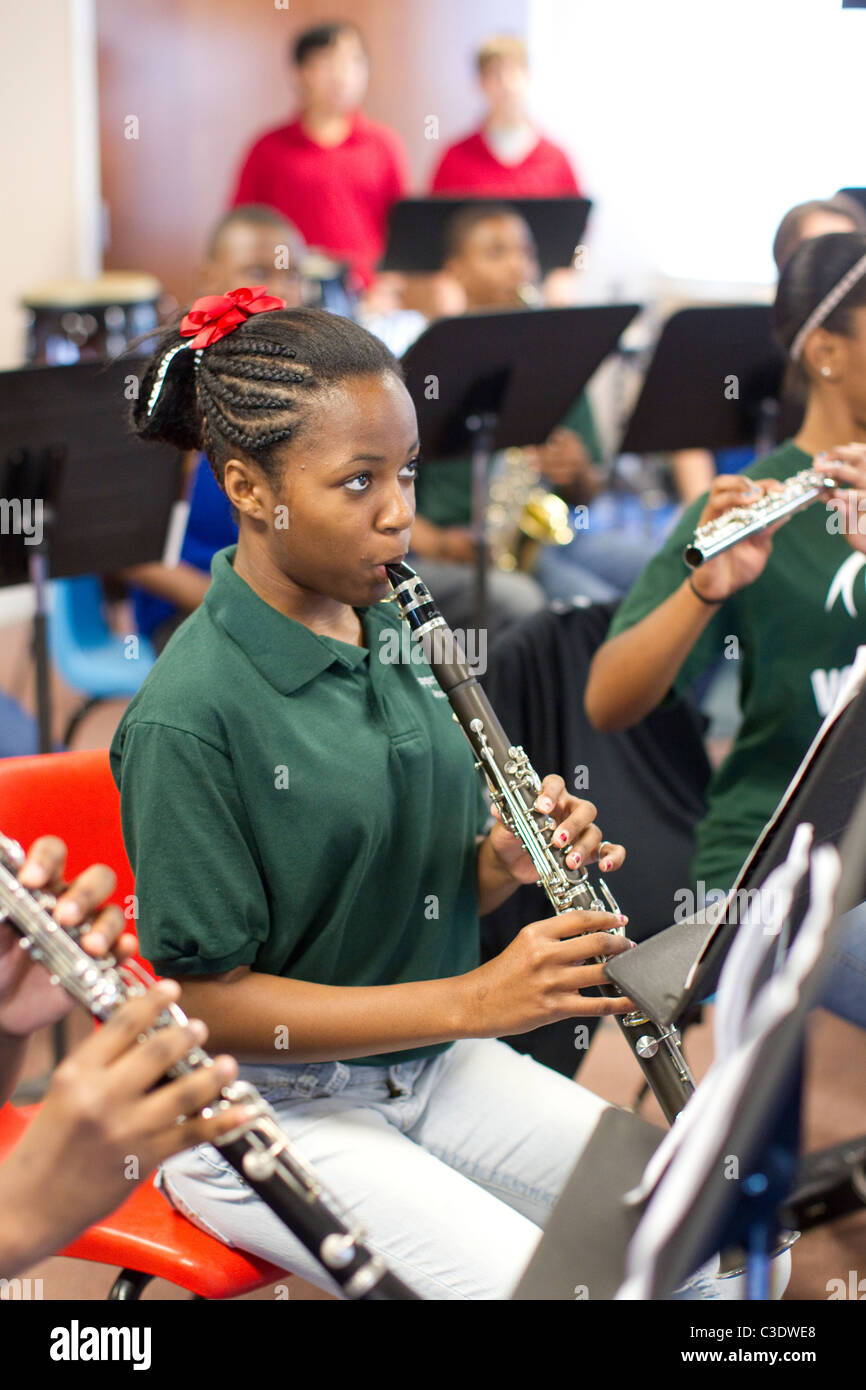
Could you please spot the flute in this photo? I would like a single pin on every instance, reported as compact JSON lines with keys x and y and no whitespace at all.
{"x":718,"y":535}
{"x":514,"y":785}
{"x":257,"y":1149}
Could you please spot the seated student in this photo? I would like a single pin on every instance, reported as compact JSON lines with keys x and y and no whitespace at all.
{"x":491,"y":255}
{"x":69,"y":1169}
{"x":330,"y":804}
{"x":786,"y":598}
{"x":507,"y":157}
{"x":333,"y":172}
{"x":251,"y":245}
{"x":694,"y":469}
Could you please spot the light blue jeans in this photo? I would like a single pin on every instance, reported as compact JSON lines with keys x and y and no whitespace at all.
{"x":451,"y":1164}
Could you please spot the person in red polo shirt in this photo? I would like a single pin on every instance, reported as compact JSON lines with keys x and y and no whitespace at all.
{"x":507,"y":157}
{"x":331,"y":171}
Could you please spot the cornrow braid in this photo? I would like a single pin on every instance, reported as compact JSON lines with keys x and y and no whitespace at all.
{"x":252,"y":390}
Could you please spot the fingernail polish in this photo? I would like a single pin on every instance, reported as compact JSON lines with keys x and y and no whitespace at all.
{"x":621,"y":918}
{"x":562,"y":837}
{"x":575,"y":859}
{"x":545,"y":804}
{"x":605,"y":865}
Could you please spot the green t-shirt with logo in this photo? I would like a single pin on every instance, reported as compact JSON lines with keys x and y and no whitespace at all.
{"x":443,"y":489}
{"x":299,"y":805}
{"x":792,"y":633}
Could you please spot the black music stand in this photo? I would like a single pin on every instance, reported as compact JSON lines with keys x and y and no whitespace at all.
{"x":584,"y":1248}
{"x":683,"y":405}
{"x":105,"y":503}
{"x":680,"y":966}
{"x":416,"y":229}
{"x":501,"y":380}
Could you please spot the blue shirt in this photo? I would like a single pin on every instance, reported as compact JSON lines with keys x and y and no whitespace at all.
{"x":210,"y":527}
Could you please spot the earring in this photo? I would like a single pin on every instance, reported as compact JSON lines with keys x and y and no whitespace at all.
{"x":825,"y":371}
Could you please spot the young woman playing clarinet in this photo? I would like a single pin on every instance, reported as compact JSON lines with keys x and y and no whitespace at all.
{"x":310,"y":840}
{"x":789,"y":603}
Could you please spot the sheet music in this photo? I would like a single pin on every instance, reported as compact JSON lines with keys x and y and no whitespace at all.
{"x":174,"y":536}
{"x":849,"y":687}
{"x":687,"y":1158}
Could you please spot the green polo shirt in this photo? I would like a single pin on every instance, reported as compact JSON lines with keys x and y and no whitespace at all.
{"x":443,"y":488}
{"x":792,"y":634}
{"x":299,"y":805}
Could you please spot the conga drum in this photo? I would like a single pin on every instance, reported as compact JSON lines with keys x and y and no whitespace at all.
{"x":90,"y":320}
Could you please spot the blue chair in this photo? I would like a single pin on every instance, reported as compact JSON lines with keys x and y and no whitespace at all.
{"x":87,"y":653}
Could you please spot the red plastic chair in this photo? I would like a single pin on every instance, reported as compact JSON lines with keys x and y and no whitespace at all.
{"x":73,"y":795}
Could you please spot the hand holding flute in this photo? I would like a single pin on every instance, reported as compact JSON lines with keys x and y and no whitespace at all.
{"x":73,"y":1164}
{"x":732,"y":568}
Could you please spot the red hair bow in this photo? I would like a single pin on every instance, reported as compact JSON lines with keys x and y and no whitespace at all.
{"x":215,"y":315}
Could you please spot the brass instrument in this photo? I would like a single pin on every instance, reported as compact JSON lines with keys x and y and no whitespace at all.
{"x":521,"y":516}
{"x":718,"y":535}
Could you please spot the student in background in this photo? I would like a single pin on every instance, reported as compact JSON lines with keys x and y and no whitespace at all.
{"x":786,"y":596}
{"x":694,"y":469}
{"x":491,"y":255}
{"x":508,"y":156}
{"x":251,"y":245}
{"x":816,"y":218}
{"x":331,"y":171}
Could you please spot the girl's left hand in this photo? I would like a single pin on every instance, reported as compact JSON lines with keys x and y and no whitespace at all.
{"x":28,"y":999}
{"x":573,"y":827}
{"x":847,"y":463}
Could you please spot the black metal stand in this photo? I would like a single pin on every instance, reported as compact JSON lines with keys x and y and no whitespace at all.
{"x":481,"y":429}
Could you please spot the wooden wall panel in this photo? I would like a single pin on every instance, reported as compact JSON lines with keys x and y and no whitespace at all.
{"x":204,"y":77}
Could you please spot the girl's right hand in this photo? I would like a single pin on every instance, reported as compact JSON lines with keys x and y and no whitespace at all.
{"x":537,"y":979}
{"x":105,"y":1124}
{"x":717,"y":579}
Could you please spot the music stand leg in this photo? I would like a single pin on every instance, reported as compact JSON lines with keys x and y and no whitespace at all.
{"x":481,"y":429}
{"x":38,"y":567}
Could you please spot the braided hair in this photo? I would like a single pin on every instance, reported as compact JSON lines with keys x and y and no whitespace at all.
{"x":252,"y":390}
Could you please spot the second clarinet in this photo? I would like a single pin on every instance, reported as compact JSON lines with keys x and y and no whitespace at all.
{"x":514,"y":785}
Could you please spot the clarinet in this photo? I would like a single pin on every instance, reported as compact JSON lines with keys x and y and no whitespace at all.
{"x":514,"y":785}
{"x":714,"y":537}
{"x":258,"y":1150}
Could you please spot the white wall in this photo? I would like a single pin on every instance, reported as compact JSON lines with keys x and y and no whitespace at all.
{"x":697,"y":123}
{"x":49,"y":154}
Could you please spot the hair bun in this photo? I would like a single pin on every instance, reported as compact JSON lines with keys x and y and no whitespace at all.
{"x":175,"y":417}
